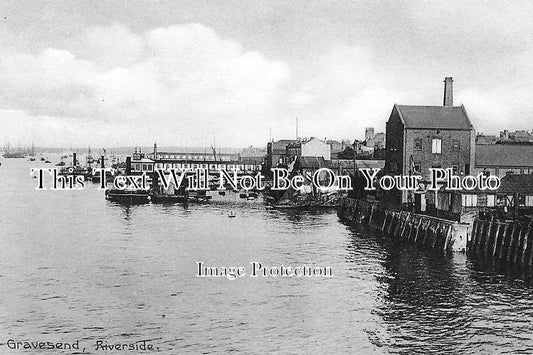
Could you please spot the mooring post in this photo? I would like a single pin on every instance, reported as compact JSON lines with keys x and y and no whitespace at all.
{"x":418,"y":229}
{"x":505,"y":242}
{"x":513,"y":241}
{"x":496,"y":239}
{"x":519,"y":246}
{"x":384,"y":221}
{"x":472,"y":241}
{"x":526,"y":248}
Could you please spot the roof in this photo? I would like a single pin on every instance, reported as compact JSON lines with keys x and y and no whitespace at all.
{"x":517,"y":183}
{"x":311,"y":162}
{"x":434,"y":117}
{"x":500,"y":155}
{"x":355,"y":164}
{"x":483,"y":139}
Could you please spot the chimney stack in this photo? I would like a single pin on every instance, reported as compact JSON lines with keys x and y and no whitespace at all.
{"x":448,"y":91}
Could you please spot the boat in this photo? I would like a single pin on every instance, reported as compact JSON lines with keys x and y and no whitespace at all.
{"x":198,"y":197}
{"x":43,"y":159}
{"x":11,"y":155}
{"x":159,"y":194}
{"x":127,"y":196}
{"x":303,"y":206}
{"x":48,"y":162}
{"x":61,"y":163}
{"x":232,"y":214}
{"x":306,"y":198}
{"x":73,"y":170}
{"x":32,"y":159}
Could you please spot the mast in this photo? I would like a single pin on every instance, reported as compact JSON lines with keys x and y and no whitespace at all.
{"x":296,"y":127}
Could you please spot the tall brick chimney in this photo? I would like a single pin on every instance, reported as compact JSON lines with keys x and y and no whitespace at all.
{"x":448,"y":91}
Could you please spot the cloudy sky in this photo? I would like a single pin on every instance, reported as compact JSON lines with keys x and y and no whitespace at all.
{"x":101,"y":73}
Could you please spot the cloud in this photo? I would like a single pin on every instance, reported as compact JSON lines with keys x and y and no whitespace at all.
{"x":177,"y":84}
{"x":185,"y":84}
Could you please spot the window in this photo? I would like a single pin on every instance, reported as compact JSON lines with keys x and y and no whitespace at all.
{"x":436,"y":145}
{"x":417,"y":168}
{"x":456,"y":145}
{"x":469,"y":200}
{"x":455,"y":169}
{"x":418,"y":144}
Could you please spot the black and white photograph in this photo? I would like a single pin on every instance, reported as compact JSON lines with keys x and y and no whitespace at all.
{"x":266,"y":177}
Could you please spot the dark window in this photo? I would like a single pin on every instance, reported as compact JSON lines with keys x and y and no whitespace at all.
{"x":418,"y":144}
{"x":417,"y":168}
{"x":455,"y":169}
{"x":456,"y":145}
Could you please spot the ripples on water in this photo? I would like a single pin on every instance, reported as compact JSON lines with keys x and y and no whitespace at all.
{"x":74,"y":266}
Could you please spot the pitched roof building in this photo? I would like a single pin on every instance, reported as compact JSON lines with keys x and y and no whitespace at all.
{"x":422,"y":137}
{"x":502,"y":159}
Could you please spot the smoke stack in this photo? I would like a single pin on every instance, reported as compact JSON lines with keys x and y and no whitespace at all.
{"x":102,"y":162}
{"x":128,"y":165}
{"x":448,"y":91}
{"x":74,"y":163}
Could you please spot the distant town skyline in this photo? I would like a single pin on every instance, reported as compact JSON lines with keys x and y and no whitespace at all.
{"x":186,"y":73}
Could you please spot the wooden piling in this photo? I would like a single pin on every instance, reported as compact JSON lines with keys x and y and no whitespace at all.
{"x":512,"y":242}
{"x":526,"y":247}
{"x":497,"y":239}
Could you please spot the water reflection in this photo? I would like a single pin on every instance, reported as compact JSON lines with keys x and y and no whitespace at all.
{"x":433,"y":303}
{"x":75,"y":264}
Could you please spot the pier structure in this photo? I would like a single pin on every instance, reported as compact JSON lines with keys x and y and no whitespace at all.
{"x":428,"y":231}
{"x":212,"y":162}
{"x":504,"y":240}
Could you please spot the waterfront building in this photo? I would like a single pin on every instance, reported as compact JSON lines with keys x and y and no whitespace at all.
{"x":309,"y":147}
{"x":277,"y":152}
{"x":513,"y":198}
{"x":139,"y":163}
{"x":422,"y":137}
{"x":503,"y":159}
{"x":213,"y":162}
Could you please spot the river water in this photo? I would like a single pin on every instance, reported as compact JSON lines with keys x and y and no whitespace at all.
{"x":75,"y":267}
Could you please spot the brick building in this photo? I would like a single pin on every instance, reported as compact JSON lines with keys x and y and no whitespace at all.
{"x":422,"y":137}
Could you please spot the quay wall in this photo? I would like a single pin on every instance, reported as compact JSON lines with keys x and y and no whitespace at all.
{"x":507,"y":241}
{"x":428,"y":231}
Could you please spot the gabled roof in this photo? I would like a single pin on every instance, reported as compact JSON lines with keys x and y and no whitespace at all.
{"x":517,"y":183}
{"x":434,"y":117}
{"x":501,"y":155}
{"x":304,"y":162}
